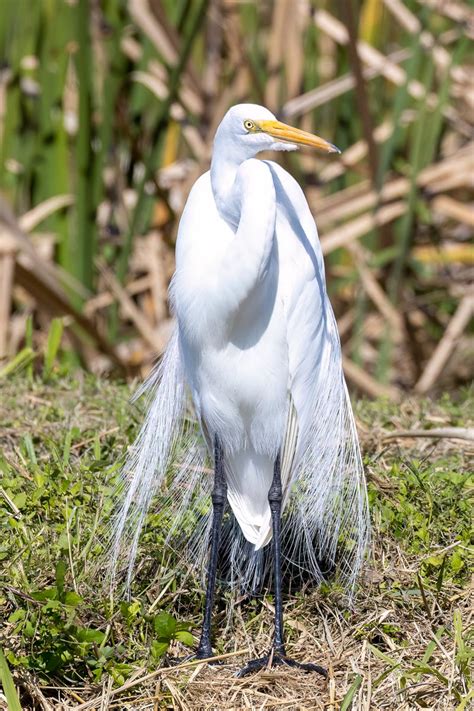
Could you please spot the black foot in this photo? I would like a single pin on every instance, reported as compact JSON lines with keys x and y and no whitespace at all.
{"x":278,"y":659}
{"x":203,"y":653}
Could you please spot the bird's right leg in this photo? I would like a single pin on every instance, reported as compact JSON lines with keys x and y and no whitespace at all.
{"x":278,"y":654}
{"x":219,"y":498}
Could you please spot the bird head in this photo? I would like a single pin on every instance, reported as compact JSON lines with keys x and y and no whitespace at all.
{"x":247,"y":129}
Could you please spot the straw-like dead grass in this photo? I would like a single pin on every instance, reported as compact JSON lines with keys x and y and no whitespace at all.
{"x":402,"y":647}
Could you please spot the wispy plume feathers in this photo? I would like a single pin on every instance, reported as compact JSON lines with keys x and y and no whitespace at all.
{"x":326,"y":519}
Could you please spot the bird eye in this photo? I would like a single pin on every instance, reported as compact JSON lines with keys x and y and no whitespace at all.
{"x":249,"y":125}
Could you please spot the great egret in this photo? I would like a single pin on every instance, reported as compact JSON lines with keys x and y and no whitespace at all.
{"x":257,"y":347}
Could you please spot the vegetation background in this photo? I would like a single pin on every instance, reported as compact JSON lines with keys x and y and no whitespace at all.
{"x":107,"y":114}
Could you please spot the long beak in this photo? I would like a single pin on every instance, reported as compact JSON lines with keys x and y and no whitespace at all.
{"x":283,"y":132}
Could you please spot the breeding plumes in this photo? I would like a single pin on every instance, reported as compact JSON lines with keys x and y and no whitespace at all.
{"x":256,"y":349}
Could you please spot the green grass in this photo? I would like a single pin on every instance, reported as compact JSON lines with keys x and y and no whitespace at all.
{"x":61,"y":445}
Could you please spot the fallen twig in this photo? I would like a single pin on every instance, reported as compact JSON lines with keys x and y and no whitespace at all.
{"x":466,"y":433}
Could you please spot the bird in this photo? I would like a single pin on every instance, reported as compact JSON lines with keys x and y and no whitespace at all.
{"x":256,"y":355}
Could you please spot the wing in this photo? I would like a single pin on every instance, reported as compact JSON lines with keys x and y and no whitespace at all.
{"x":322,"y":470}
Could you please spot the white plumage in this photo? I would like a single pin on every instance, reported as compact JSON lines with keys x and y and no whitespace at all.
{"x":257,"y":348}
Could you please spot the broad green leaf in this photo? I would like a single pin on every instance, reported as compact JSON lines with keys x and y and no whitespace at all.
{"x":84,"y":634}
{"x":20,"y":500}
{"x":72,"y":599}
{"x":17,"y":615}
{"x":158,"y":649}
{"x":185,"y":637}
{"x":165,"y":626}
{"x":46,"y":594}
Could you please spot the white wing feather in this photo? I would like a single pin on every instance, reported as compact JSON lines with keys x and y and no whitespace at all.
{"x":322,"y":473}
{"x":326,"y":513}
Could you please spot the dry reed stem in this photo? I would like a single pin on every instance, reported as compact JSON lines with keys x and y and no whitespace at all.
{"x":333,"y":89}
{"x":43,"y":279}
{"x":449,"y":207}
{"x":447,"y":344}
{"x":350,"y":232}
{"x":395,"y":74}
{"x":455,"y":10}
{"x":342,"y":205}
{"x":280,"y":19}
{"x":43,"y":210}
{"x":411,"y":23}
{"x":106,"y":298}
{"x":143,"y":326}
{"x":465,"y":433}
{"x":144,"y":18}
{"x":375,"y":292}
{"x":367,"y":384}
{"x":445,"y":254}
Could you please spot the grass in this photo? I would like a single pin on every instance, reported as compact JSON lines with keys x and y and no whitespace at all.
{"x":405,"y":645}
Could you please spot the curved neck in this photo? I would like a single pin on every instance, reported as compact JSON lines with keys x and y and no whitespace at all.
{"x":225,"y":189}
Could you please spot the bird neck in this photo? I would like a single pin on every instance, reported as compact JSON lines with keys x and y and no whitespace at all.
{"x":225,"y":187}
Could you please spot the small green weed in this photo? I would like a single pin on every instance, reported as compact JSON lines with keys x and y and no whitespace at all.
{"x":62,"y":443}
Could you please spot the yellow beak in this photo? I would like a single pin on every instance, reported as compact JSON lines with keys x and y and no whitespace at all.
{"x":283,"y":132}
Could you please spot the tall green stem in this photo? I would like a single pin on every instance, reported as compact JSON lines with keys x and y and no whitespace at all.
{"x":86,"y":237}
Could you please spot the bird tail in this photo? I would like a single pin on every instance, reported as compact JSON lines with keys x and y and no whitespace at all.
{"x":327,"y":516}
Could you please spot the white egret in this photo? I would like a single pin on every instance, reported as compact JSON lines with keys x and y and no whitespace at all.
{"x":257,"y":347}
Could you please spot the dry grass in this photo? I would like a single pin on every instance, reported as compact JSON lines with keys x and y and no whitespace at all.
{"x":359,"y":648}
{"x":404,"y":645}
{"x":385,"y":675}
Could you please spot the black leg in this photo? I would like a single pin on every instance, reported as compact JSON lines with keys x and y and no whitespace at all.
{"x":278,"y":654}
{"x":274,"y":497}
{"x":219,"y":497}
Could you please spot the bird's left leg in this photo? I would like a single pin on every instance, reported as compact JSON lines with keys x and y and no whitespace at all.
{"x":278,"y":654}
{"x":219,"y":497}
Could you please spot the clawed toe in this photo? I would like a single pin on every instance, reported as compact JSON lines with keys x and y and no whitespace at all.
{"x":253,"y":665}
{"x":277,"y":659}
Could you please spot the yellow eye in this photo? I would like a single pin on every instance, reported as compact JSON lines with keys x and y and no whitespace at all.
{"x":249,"y":125}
